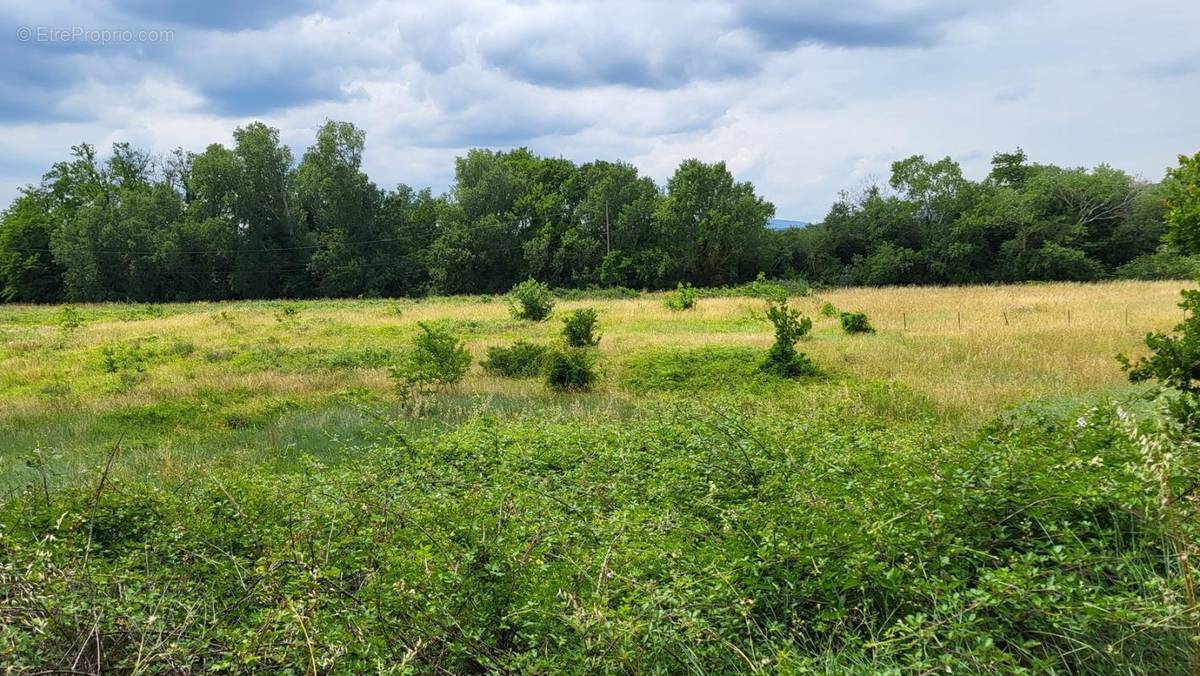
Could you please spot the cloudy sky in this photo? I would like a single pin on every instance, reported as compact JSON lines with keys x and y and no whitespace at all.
{"x":804,"y":98}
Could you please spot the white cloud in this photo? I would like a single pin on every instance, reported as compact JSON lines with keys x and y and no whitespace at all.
{"x":802,"y":99}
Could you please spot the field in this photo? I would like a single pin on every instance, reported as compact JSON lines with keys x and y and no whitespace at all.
{"x":236,"y":486}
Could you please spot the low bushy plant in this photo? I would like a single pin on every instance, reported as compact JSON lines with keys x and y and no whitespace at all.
{"x":579,"y":328}
{"x":769,"y":291}
{"x":436,"y":359}
{"x":682,"y":298}
{"x":569,"y":370}
{"x":69,"y":320}
{"x":790,"y":326}
{"x":519,"y":360}
{"x":829,"y":309}
{"x":531,"y":300}
{"x":856,"y":322}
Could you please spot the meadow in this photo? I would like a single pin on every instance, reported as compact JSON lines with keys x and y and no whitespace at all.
{"x":236,"y":486}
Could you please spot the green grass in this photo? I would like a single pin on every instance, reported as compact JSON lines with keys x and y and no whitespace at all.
{"x":237,"y":487}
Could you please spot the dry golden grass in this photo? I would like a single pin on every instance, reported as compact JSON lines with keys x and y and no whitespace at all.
{"x":972,"y":351}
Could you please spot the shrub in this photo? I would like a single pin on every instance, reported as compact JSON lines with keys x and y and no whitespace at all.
{"x":1164,"y":263}
{"x":530,"y":300}
{"x":69,"y":320}
{"x":519,"y":360}
{"x":782,"y":359}
{"x":579,"y":328}
{"x":856,"y":322}
{"x":682,"y":298}
{"x":1175,"y":360}
{"x":437,"y":358}
{"x":829,"y":310}
{"x":769,"y":291}
{"x":569,"y":370}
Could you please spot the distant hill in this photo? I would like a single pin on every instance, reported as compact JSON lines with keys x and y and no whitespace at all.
{"x":784,"y":224}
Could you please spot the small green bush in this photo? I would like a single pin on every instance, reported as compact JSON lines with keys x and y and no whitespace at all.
{"x":856,"y":322}
{"x":437,"y":358}
{"x":829,"y":310}
{"x":569,"y":370}
{"x":69,"y":320}
{"x":579,"y":328}
{"x":519,"y":360}
{"x":790,"y":326}
{"x":530,"y":300}
{"x":683,"y":297}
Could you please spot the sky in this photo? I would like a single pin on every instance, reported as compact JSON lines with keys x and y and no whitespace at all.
{"x":804,"y":98}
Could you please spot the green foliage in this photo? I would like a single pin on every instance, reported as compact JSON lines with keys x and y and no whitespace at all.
{"x":1183,"y":204}
{"x":829,"y":310}
{"x":856,"y":322}
{"x":436,"y":359}
{"x":682,"y":298}
{"x":769,"y":291}
{"x":687,"y":540}
{"x":1174,"y":361}
{"x":519,"y":360}
{"x":69,"y":320}
{"x":1165,"y":263}
{"x":248,"y":221}
{"x":579,"y":328}
{"x":790,"y":326}
{"x":569,"y":370}
{"x":706,"y":368}
{"x":287,"y":313}
{"x":531,"y":300}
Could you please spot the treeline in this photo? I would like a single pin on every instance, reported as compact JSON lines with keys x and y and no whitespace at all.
{"x":248,"y":221}
{"x":1023,"y":222}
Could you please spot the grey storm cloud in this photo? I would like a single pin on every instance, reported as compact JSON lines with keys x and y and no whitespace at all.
{"x":665,"y":45}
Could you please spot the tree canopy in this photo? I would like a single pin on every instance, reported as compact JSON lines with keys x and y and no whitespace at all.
{"x":249,"y":221}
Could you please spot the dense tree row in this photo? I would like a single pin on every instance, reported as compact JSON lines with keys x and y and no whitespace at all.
{"x":249,"y":222}
{"x":1024,"y":221}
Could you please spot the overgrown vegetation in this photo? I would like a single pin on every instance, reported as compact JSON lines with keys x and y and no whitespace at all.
{"x":547,"y":547}
{"x":257,"y":501}
{"x":519,"y":360}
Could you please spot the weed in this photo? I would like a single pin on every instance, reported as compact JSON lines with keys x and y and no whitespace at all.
{"x":287,"y":313}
